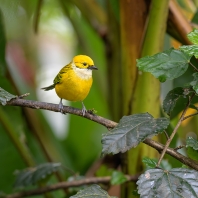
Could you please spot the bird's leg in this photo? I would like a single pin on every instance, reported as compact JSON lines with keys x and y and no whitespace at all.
{"x":60,"y":106}
{"x":84,"y":110}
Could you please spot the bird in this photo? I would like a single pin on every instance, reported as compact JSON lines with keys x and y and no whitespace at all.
{"x":74,"y":81}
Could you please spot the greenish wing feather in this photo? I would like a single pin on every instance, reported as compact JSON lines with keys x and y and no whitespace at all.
{"x":58,"y":77}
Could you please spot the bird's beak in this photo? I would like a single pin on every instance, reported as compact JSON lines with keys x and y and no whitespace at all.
{"x":92,"y":67}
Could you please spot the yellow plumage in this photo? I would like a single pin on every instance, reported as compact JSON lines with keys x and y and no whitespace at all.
{"x":74,"y":81}
{"x":73,"y":87}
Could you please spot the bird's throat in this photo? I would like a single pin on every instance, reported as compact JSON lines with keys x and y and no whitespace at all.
{"x":82,"y":73}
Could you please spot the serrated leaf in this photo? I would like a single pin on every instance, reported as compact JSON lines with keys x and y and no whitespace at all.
{"x":94,"y":191}
{"x":194,"y":83}
{"x":191,"y":50}
{"x":34,"y":175}
{"x":130,"y":131}
{"x":172,"y":97}
{"x":5,"y":96}
{"x":167,"y":65}
{"x":191,"y":142}
{"x":193,"y":36}
{"x":175,"y":183}
{"x":192,"y":148}
{"x":150,"y":163}
{"x":118,"y":178}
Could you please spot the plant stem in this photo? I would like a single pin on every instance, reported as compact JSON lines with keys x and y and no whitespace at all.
{"x":193,"y":66}
{"x":22,"y":149}
{"x":174,"y":131}
{"x":103,"y":121}
{"x":191,"y":115}
{"x":61,"y":185}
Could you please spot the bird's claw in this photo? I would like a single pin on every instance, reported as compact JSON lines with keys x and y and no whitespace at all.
{"x":60,"y":107}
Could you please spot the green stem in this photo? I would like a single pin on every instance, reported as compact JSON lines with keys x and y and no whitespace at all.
{"x":9,"y":128}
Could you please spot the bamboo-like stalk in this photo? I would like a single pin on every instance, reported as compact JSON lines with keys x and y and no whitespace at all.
{"x":141,"y":90}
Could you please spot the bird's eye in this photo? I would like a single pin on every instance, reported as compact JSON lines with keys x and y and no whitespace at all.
{"x":85,"y":64}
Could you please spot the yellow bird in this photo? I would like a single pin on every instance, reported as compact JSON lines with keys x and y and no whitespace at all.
{"x":73,"y":82}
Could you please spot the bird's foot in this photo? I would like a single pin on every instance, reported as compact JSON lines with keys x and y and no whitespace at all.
{"x":60,"y":107}
{"x":84,"y":110}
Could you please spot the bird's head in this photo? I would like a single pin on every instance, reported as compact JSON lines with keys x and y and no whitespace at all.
{"x":84,"y":62}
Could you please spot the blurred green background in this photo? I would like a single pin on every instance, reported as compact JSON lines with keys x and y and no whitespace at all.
{"x":39,"y":37}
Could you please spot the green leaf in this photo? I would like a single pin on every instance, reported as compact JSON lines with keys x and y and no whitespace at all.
{"x":130,"y":131}
{"x":194,"y":83}
{"x":34,"y":175}
{"x":191,"y":50}
{"x":192,"y":148}
{"x":167,"y":65}
{"x":172,"y":97}
{"x":5,"y":96}
{"x":192,"y":106}
{"x":150,"y":163}
{"x":193,"y":36}
{"x":118,"y":178}
{"x":94,"y":191}
{"x":178,"y":182}
{"x":191,"y":142}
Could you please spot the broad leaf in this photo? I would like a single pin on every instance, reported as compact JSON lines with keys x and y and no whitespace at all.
{"x":167,"y":65}
{"x":194,"y":83}
{"x":34,"y":175}
{"x":192,"y":148}
{"x":172,"y":97}
{"x":93,"y":191}
{"x":177,"y":182}
{"x":117,"y":178}
{"x":191,"y":50}
{"x":5,"y":96}
{"x":193,"y":36}
{"x":130,"y":131}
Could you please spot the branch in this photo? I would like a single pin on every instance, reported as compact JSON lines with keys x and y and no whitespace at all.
{"x":54,"y":107}
{"x":64,"y":185}
{"x":174,"y":131}
{"x":193,"y":67}
{"x":185,"y":160}
{"x":100,"y":120}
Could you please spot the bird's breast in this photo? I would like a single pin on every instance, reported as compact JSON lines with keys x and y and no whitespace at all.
{"x":74,"y":85}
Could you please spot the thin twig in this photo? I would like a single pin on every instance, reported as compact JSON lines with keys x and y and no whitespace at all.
{"x":166,"y":134}
{"x":183,"y":159}
{"x":64,"y":185}
{"x":193,"y":66}
{"x":174,"y":131}
{"x":100,"y":120}
{"x":179,"y":147}
{"x":191,"y":115}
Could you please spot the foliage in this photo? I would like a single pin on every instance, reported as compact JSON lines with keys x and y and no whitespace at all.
{"x":178,"y":182}
{"x":92,"y":192}
{"x":30,"y":135}
{"x":35,"y":175}
{"x":132,"y":130}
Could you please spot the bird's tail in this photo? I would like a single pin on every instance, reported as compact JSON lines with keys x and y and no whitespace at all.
{"x":48,"y":88}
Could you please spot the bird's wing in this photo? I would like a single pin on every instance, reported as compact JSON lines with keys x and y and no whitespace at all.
{"x":58,"y":77}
